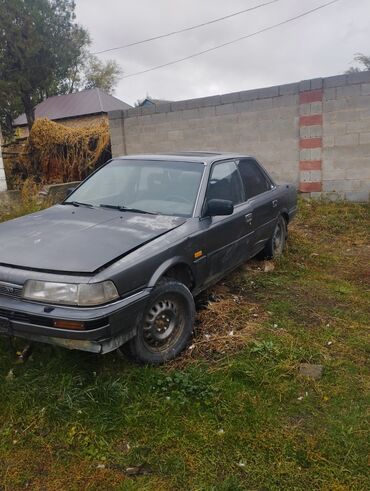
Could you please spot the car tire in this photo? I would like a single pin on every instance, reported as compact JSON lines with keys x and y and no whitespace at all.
{"x":166,"y":326}
{"x":275,"y":246}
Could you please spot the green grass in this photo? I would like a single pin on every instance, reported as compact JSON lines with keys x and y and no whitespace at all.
{"x":235,"y":418}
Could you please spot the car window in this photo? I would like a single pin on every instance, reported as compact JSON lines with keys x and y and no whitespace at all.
{"x":163,"y":187}
{"x":225,"y":183}
{"x":254,"y":180}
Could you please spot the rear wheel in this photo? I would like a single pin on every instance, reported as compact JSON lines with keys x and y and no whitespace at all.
{"x":167,"y":324}
{"x":275,"y":246}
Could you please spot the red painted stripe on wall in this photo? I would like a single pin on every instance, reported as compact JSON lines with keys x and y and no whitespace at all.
{"x":314,"y":119}
{"x":310,"y":165}
{"x":310,"y":187}
{"x":310,"y":96}
{"x":310,"y":142}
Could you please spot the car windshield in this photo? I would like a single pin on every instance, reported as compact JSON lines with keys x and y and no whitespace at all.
{"x":160,"y":187}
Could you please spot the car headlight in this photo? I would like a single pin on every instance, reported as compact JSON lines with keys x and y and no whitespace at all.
{"x":69,"y":293}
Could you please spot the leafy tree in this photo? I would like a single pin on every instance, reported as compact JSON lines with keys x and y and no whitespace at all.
{"x":363,"y":61}
{"x":43,"y":52}
{"x":104,"y":75}
{"x":10,"y":107}
{"x":40,"y":43}
{"x":72,"y":78}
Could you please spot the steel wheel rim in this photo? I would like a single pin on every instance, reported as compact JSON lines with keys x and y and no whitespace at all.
{"x":278,"y":239}
{"x":163,"y":323}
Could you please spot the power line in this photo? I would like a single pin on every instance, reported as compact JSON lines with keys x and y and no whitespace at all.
{"x":199,"y":53}
{"x":186,"y":29}
{"x":168,"y":34}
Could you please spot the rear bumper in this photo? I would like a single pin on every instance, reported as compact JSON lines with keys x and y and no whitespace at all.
{"x":107,"y":327}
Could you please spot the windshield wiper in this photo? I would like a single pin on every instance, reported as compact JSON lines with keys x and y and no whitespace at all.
{"x":77,"y":203}
{"x":125,"y":208}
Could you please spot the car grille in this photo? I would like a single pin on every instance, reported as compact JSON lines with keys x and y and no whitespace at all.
{"x":10,"y":290}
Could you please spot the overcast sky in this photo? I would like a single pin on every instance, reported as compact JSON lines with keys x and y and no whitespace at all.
{"x":320,"y":44}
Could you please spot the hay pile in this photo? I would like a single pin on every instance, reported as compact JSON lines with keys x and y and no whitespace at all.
{"x":56,"y":153}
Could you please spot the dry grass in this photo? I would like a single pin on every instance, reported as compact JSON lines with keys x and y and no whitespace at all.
{"x":233,"y":413}
{"x":58,"y":153}
{"x":226,"y":321}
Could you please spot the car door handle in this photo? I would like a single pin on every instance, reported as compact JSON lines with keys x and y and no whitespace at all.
{"x":249,"y":218}
{"x":275,"y":203}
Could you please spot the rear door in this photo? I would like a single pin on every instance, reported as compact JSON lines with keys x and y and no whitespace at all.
{"x":261,"y":195}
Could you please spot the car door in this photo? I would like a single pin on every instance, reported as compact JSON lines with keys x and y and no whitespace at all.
{"x":225,"y":237}
{"x":261,"y":195}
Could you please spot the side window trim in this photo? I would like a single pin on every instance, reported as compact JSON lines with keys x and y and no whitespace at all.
{"x":263,"y":170}
{"x":264,"y":173}
{"x":217,"y":162}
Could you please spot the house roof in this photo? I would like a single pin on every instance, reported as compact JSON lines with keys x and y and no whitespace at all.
{"x":148,"y":101}
{"x":90,"y":101}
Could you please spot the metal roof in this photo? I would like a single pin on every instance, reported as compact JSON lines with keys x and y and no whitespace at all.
{"x":89,"y":101}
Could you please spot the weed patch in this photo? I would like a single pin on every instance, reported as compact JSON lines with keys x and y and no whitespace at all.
{"x":232,"y":412}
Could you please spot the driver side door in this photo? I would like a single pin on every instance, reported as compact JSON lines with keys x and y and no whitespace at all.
{"x":225,"y":237}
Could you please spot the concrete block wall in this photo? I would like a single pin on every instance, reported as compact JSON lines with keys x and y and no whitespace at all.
{"x":315,"y":133}
{"x":10,"y":199}
{"x":261,"y":123}
{"x":310,"y":139}
{"x":55,"y":193}
{"x":346,"y":141}
{"x":51,"y":193}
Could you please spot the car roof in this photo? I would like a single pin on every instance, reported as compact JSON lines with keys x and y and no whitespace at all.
{"x":195,"y":156}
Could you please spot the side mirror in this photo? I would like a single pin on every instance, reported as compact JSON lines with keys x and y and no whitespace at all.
{"x":219,"y":207}
{"x":69,"y":191}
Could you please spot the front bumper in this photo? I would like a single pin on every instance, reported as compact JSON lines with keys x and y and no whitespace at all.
{"x":108,"y":326}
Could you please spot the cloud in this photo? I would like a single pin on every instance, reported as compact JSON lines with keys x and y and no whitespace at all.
{"x":321,"y":44}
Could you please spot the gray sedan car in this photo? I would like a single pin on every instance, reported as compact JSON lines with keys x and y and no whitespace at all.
{"x":120,"y":260}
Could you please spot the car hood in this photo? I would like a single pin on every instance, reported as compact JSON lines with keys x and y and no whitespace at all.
{"x":77,"y":240}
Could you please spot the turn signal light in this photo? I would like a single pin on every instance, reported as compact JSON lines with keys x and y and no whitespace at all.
{"x":78,"y":326}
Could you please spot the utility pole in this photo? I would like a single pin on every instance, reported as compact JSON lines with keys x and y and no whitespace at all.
{"x":3,"y":186}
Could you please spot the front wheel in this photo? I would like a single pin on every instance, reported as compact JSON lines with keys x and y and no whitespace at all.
{"x":275,"y":246}
{"x":167,"y":325}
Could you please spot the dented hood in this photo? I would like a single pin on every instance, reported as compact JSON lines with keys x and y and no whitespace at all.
{"x":77,"y":240}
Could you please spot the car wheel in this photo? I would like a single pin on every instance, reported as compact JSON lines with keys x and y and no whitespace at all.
{"x":166,"y":326}
{"x":275,"y":246}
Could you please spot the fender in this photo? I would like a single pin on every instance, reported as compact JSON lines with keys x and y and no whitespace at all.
{"x":174,"y":261}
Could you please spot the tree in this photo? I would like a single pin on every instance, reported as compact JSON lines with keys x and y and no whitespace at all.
{"x":364,"y":62}
{"x":72,"y":79}
{"x":43,"y":52}
{"x":104,"y":75}
{"x":40,"y":44}
{"x":10,"y":108}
